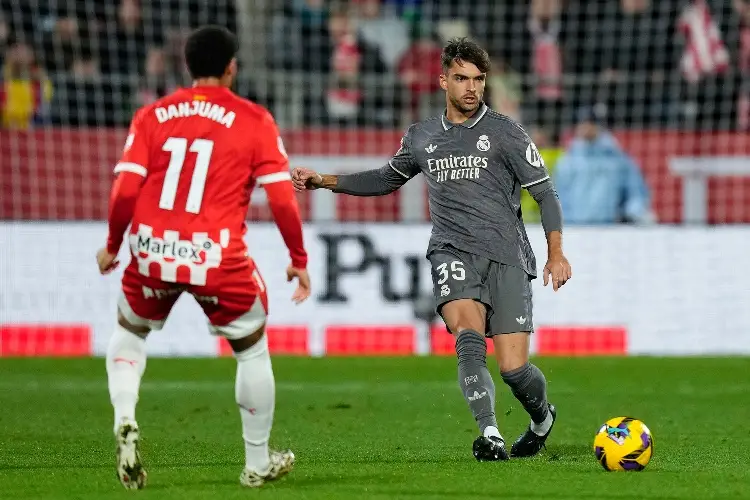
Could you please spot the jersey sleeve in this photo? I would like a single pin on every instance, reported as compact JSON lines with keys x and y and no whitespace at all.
{"x":270,"y":162}
{"x":524,"y":159}
{"x":135,"y":153}
{"x":404,"y":162}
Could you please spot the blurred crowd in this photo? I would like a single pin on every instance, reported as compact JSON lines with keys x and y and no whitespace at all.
{"x":92,"y":63}
{"x":375,"y":63}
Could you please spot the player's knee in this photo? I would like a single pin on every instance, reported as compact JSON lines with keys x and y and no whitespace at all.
{"x":464,"y":314}
{"x":511,"y":350}
{"x":242,"y":344}
{"x":141,"y":331}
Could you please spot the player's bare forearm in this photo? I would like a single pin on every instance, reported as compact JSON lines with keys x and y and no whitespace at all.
{"x":554,"y":243}
{"x":330,"y":181}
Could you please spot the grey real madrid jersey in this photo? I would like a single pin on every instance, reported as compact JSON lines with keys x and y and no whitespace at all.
{"x":475,"y":172}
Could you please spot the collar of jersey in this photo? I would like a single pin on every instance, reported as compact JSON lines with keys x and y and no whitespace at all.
{"x":447,"y":124}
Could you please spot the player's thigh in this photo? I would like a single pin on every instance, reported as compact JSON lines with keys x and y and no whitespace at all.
{"x":511,"y":318}
{"x":144,"y":302}
{"x":461,"y":294}
{"x":235,"y":303}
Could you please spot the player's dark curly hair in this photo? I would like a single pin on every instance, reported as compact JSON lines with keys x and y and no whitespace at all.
{"x":209,"y":50}
{"x":463,"y":49}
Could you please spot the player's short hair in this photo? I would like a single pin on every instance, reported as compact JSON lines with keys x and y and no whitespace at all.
{"x":463,"y":49}
{"x":209,"y":50}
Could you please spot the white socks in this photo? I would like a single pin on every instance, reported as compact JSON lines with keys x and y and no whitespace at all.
{"x":491,"y":431}
{"x":126,"y":362}
{"x":542,"y":428}
{"x":255,"y":391}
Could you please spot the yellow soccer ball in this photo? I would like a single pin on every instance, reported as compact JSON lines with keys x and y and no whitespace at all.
{"x":623,"y":443}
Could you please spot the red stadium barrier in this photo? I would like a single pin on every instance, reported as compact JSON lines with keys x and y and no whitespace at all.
{"x":581,"y":341}
{"x":394,"y":340}
{"x":54,"y":174}
{"x":45,"y":340}
{"x":282,"y":340}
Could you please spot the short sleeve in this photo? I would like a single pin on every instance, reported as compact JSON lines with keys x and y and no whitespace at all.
{"x":135,"y":153}
{"x":270,"y":162}
{"x":524,"y":159}
{"x":403,"y":162}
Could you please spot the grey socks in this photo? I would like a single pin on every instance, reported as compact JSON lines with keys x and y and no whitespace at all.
{"x":474,"y":379}
{"x":529,"y":386}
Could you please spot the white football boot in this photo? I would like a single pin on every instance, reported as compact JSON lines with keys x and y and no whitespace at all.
{"x":130,"y":469}
{"x":281,"y":465}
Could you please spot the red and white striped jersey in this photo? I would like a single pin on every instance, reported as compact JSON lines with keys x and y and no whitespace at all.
{"x":197,"y":154}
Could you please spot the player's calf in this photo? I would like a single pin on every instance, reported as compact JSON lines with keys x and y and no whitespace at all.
{"x":529,"y":386}
{"x":478,"y":389}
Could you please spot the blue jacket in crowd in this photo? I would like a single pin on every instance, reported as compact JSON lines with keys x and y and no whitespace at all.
{"x":598,"y":183}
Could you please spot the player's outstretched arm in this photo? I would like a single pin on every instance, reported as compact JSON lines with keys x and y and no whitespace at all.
{"x":125,"y":192}
{"x":557,"y":267}
{"x":376,"y":182}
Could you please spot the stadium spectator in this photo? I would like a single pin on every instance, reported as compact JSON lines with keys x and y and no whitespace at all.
{"x":157,"y":80}
{"x":85,"y":98}
{"x":125,"y":49}
{"x":299,"y":36}
{"x":742,"y":9}
{"x":597,"y":182}
{"x":504,"y":89}
{"x":61,"y":43}
{"x":4,"y":38}
{"x":25,"y":90}
{"x":351,"y":96}
{"x":419,"y":69}
{"x":625,"y":55}
{"x":546,"y":62}
{"x":382,"y":29}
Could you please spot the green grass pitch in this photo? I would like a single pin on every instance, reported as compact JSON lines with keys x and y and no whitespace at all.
{"x":374,"y":428}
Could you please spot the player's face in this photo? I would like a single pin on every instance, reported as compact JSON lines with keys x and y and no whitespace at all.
{"x":587,"y":131}
{"x":463,"y":85}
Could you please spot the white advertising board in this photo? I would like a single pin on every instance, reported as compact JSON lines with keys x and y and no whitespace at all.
{"x":676,"y":290}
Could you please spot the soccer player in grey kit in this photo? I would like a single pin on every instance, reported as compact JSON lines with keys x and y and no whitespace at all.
{"x":476,"y":162}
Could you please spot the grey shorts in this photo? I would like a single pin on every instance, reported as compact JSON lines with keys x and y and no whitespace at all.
{"x":504,"y":290}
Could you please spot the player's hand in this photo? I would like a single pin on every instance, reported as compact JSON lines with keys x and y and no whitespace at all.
{"x":107,"y":261}
{"x":302,"y":293}
{"x":558,"y":268}
{"x":306,"y":179}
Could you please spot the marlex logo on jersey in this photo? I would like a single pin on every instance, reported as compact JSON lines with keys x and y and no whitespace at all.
{"x":456,"y":167}
{"x":170,"y":252}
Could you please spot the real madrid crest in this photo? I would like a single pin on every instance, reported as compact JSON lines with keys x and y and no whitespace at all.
{"x":483,"y":144}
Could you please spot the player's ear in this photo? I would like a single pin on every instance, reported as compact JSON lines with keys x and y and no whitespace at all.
{"x":443,"y":81}
{"x":232,"y":68}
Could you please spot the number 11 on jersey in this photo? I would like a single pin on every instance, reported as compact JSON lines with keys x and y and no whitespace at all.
{"x":178,"y":148}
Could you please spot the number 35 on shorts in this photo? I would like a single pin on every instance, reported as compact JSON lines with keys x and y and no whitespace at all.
{"x":453,"y":270}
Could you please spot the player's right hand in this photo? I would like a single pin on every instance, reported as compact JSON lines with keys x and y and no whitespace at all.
{"x":302,"y":293}
{"x":106,"y":261}
{"x":306,"y":179}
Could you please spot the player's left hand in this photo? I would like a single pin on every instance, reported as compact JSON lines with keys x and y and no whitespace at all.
{"x":558,"y":268}
{"x":107,"y":261}
{"x":302,"y":293}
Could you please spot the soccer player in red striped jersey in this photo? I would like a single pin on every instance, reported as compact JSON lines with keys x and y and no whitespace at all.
{"x":183,"y":186}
